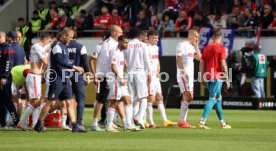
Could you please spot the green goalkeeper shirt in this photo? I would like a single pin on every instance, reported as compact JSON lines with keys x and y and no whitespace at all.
{"x":17,"y":74}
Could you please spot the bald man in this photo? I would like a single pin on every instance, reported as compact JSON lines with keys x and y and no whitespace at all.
{"x":102,"y":67}
{"x":186,"y":51}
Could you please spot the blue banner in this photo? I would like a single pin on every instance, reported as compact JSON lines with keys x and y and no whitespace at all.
{"x":159,"y":44}
{"x":227,"y":41}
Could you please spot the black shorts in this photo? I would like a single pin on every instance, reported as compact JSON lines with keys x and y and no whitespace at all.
{"x":102,"y":91}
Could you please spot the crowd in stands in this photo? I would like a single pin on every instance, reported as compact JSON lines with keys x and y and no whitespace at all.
{"x":170,"y":17}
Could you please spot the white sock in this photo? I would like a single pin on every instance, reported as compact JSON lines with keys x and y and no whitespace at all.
{"x":222,"y":122}
{"x":95,"y":122}
{"x":63,"y":120}
{"x":124,"y":122}
{"x":150,"y":113}
{"x":29,"y":110}
{"x":162,"y":111}
{"x":128,"y":110}
{"x":35,"y":115}
{"x":142,"y":110}
{"x":95,"y":103}
{"x":184,"y":110}
{"x":115,"y":118}
{"x":135,"y":108}
{"x":109,"y":117}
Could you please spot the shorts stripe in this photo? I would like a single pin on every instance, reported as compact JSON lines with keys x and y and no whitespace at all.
{"x":35,"y":90}
{"x":116,"y":90}
{"x":148,"y":87}
{"x":185,"y":89}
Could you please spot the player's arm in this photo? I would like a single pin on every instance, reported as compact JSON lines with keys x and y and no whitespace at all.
{"x":114,"y":68}
{"x":147,"y":64}
{"x":197,"y":51}
{"x":179,"y":62}
{"x":9,"y":61}
{"x":84,"y":59}
{"x":158,"y":68}
{"x":202,"y":70}
{"x":59,"y":59}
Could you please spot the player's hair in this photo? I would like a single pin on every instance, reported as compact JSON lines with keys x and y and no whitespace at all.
{"x":216,"y":34}
{"x":65,"y":31}
{"x":45,"y":35}
{"x":106,"y":34}
{"x":134,"y":33}
{"x":153,"y":33}
{"x":192,"y":32}
{"x":122,"y":37}
{"x":20,"y":19}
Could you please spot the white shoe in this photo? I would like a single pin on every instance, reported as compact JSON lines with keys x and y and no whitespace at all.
{"x":142,"y":125}
{"x":111,"y":129}
{"x":65,"y":128}
{"x":114,"y":126}
{"x":132,"y":128}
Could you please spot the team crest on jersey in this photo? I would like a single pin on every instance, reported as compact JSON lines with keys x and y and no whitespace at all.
{"x":114,"y":60}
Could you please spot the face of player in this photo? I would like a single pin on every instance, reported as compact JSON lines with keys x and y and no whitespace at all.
{"x":68,"y":37}
{"x":124,"y":44}
{"x":2,"y":38}
{"x":19,"y":37}
{"x":153,"y":39}
{"x":118,"y":32}
{"x":193,"y":38}
{"x":47,"y":41}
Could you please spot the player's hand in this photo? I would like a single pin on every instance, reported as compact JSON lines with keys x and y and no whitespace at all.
{"x":95,"y":80}
{"x":227,"y":84}
{"x":122,"y":81}
{"x":3,"y":82}
{"x":77,"y":68}
{"x":87,"y":80}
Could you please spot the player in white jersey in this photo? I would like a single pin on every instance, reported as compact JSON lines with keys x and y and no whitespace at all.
{"x":186,"y":51}
{"x":138,"y":62}
{"x":38,"y":59}
{"x":118,"y":94}
{"x":102,"y":67}
{"x":154,"y":87}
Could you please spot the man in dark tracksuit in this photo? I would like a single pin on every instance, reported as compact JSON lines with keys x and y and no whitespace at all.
{"x":19,"y":52}
{"x":6,"y":64}
{"x":60,"y":88}
{"x":78,"y":57}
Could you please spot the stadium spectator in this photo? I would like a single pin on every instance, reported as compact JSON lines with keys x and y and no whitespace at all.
{"x":218,"y":22}
{"x":272,"y":26}
{"x":87,"y":22}
{"x":190,"y":6}
{"x":249,"y":24}
{"x":259,"y":66}
{"x":54,"y":20}
{"x":146,"y":8}
{"x":115,"y":18}
{"x":102,"y":22}
{"x":24,"y":29}
{"x":237,"y":3}
{"x":170,"y":4}
{"x":142,"y":21}
{"x":166,"y":25}
{"x":25,"y":43}
{"x":64,"y":6}
{"x":75,"y":8}
{"x":182,"y":23}
{"x":53,"y":5}
{"x":35,"y":23}
{"x":201,"y":21}
{"x":44,"y":13}
{"x":109,"y":4}
{"x":265,"y":16}
{"x":234,"y":19}
{"x":65,"y":21}
{"x":126,"y":22}
{"x":248,"y":4}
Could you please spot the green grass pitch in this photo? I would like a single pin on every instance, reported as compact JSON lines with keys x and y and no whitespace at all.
{"x":252,"y":131}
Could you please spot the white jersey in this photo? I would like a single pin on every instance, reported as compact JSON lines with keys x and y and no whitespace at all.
{"x":154,"y":56}
{"x":95,"y":52}
{"x":103,"y":59}
{"x":117,"y":58}
{"x":37,"y":52}
{"x":186,"y":51}
{"x":137,"y":56}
